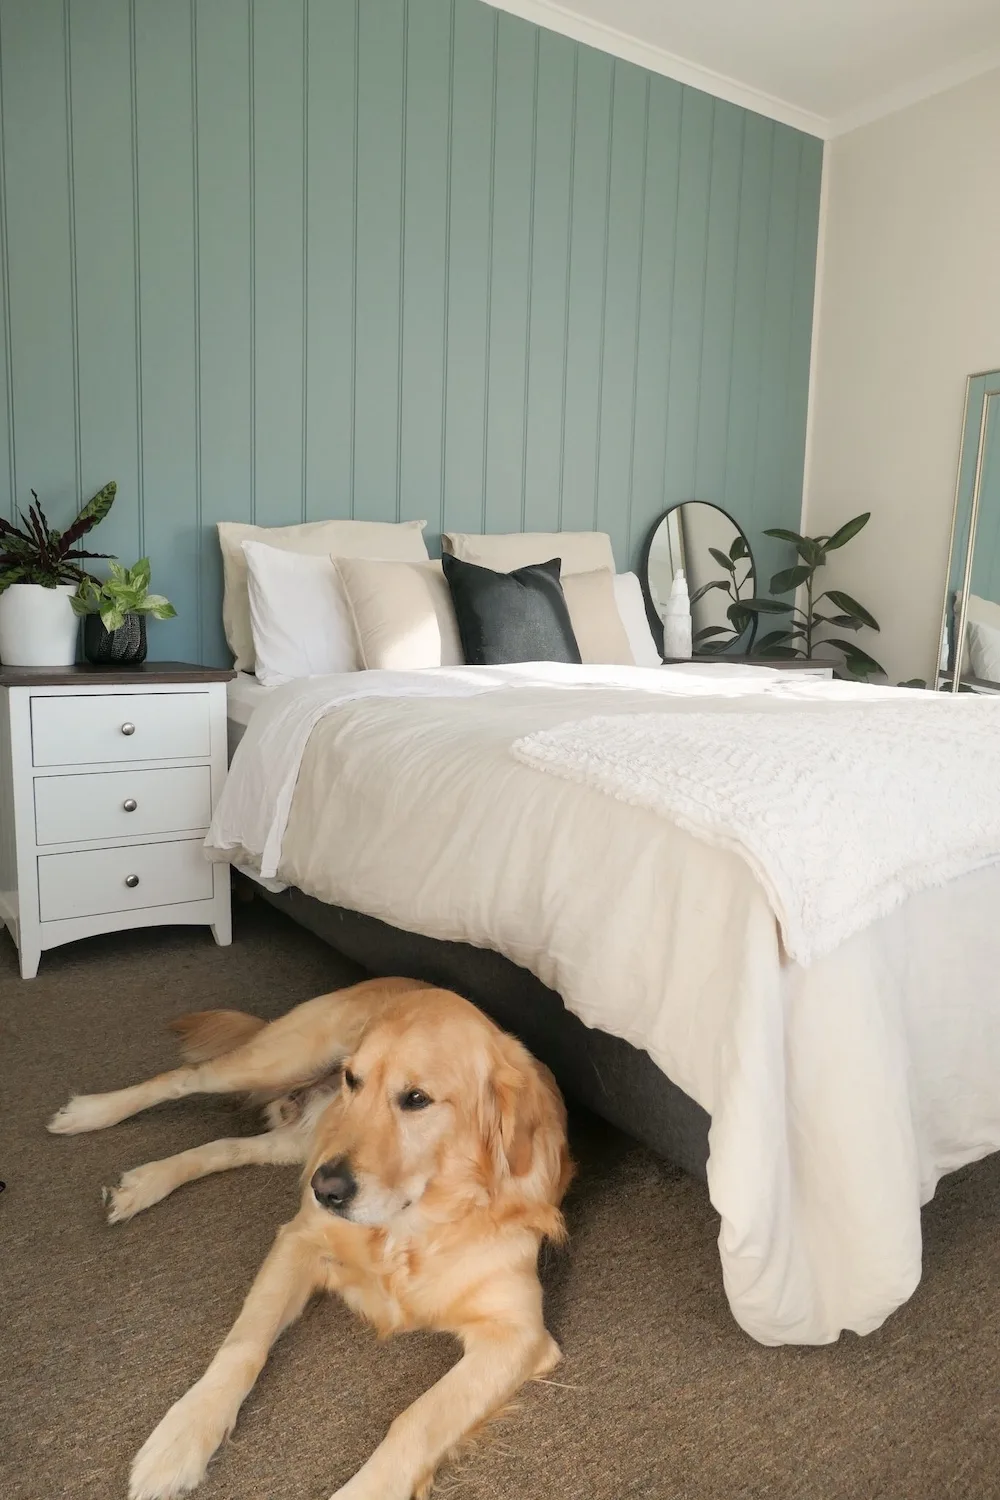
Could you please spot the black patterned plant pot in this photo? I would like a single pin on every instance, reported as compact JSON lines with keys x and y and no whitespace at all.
{"x":114,"y":648}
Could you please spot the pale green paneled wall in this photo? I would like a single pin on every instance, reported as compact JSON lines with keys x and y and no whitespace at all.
{"x":285,"y":259}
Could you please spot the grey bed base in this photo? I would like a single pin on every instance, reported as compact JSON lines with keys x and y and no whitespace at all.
{"x":617,"y":1081}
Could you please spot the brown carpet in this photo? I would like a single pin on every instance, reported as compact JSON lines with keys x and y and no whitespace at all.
{"x":660,"y":1394}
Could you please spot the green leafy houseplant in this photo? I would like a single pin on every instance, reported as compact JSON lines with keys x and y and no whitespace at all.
{"x":125,"y":592}
{"x":717,"y":638}
{"x":804,"y":629}
{"x":35,"y":553}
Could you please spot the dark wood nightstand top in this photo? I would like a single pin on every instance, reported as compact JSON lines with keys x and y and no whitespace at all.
{"x":85,"y":675}
{"x":786,"y":663}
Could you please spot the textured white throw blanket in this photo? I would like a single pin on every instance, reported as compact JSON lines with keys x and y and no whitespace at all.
{"x":839,"y":822}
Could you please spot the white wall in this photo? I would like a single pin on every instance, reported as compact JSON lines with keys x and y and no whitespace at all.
{"x":909,"y":306}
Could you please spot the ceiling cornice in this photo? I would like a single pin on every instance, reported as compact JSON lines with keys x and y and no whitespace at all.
{"x":555,"y":17}
{"x":915,"y":92}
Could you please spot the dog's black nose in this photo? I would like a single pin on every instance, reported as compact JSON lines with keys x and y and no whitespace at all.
{"x":334,"y":1185}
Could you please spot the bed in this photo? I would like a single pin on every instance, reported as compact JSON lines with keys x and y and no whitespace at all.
{"x":822,"y":1100}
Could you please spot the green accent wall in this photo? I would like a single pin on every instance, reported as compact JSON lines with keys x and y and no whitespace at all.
{"x":277,"y":260}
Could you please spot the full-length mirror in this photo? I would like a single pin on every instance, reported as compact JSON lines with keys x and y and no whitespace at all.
{"x":706,"y":542}
{"x":970,"y":630}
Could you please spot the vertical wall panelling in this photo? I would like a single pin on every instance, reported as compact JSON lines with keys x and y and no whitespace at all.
{"x":719,"y":298}
{"x":331,"y":160}
{"x":688,"y":296}
{"x":551,"y":211}
{"x":425,"y":263}
{"x":286,"y":259}
{"x":164,"y":121}
{"x":222,"y":53}
{"x":380,"y":232}
{"x":8,"y":462}
{"x":621,"y":297}
{"x":36,"y":185}
{"x":469,"y":263}
{"x":278,"y":270}
{"x":100,"y":113}
{"x":656,"y":306}
{"x":588,"y":258}
{"x":510,"y":280}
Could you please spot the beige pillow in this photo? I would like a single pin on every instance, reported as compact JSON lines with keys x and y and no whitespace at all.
{"x":597,"y":624}
{"x":402,"y":613}
{"x":315,"y":538}
{"x":580,"y":551}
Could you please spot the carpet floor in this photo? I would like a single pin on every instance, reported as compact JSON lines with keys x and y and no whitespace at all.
{"x":660,"y":1396}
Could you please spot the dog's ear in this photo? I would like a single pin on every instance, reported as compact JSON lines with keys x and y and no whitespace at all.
{"x":515,"y":1104}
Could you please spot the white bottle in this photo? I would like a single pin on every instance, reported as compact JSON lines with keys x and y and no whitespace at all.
{"x":677,"y":620}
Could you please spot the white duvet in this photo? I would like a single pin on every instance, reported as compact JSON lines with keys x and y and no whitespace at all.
{"x":839,"y":1093}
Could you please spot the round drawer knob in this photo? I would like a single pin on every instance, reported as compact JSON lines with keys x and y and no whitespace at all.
{"x":128,"y":729}
{"x":130,"y":804}
{"x":131,"y":881}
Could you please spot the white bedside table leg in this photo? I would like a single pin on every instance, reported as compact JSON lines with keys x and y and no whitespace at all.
{"x":29,"y":954}
{"x":222,"y":930}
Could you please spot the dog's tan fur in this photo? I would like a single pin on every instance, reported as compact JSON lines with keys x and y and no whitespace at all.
{"x":452,"y":1204}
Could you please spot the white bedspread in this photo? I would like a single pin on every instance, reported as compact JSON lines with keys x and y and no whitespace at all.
{"x":839,"y":1093}
{"x":838,"y":826}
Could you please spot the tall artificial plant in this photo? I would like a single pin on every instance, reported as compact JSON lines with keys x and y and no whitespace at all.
{"x":806,"y":628}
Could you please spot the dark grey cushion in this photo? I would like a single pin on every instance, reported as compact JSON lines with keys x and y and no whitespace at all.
{"x":508,"y":617}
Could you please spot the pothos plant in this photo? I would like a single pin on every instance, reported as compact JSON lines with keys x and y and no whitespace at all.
{"x":35,"y":552}
{"x":804,"y":629}
{"x":125,"y":592}
{"x":716,"y":639}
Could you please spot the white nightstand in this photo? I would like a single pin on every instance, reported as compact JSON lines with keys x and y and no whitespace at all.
{"x":108,"y":780}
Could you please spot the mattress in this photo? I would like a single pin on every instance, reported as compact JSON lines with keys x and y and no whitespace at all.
{"x":243,"y":695}
{"x":839,"y":1093}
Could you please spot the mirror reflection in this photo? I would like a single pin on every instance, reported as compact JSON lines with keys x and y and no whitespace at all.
{"x":970,"y":640}
{"x":706,"y":542}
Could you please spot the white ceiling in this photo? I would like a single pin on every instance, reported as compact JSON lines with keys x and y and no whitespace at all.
{"x":824,"y":66}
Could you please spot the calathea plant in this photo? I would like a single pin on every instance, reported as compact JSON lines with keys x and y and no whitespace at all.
{"x":36,"y":553}
{"x":804,"y":629}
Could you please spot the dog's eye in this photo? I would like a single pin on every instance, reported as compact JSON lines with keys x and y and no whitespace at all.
{"x":414,"y":1099}
{"x":350,"y":1080}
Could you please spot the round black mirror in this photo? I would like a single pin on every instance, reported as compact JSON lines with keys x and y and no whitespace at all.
{"x":715,"y":555}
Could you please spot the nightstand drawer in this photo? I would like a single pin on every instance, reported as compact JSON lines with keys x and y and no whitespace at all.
{"x":122,"y":879}
{"x":70,"y":731}
{"x":122,"y":804}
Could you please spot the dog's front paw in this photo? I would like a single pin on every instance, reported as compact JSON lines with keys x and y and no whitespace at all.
{"x":83,"y":1112}
{"x":174,"y":1458}
{"x":138,"y":1189}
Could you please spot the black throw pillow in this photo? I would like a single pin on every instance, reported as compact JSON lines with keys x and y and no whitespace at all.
{"x":507,"y":617}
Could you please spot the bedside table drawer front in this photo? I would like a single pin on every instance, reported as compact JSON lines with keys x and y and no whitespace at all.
{"x":96,"y":881}
{"x":71,"y":731}
{"x":122,"y":804}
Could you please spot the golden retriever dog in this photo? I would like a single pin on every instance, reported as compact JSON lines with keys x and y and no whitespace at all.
{"x":435,"y":1163}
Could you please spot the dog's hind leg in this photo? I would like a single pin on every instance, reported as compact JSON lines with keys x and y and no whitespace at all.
{"x":146,"y":1185}
{"x":309,"y":1041}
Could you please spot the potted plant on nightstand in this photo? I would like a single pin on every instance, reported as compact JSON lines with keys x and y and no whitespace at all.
{"x":39,"y":572}
{"x":114,"y":614}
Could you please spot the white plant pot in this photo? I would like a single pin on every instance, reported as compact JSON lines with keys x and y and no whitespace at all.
{"x":37,"y":626}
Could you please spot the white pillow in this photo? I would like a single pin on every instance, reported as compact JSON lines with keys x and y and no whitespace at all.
{"x":632,"y":608}
{"x":579,"y":551}
{"x":298,"y":615}
{"x":402,"y":614}
{"x":984,"y":649}
{"x":316,"y":538}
